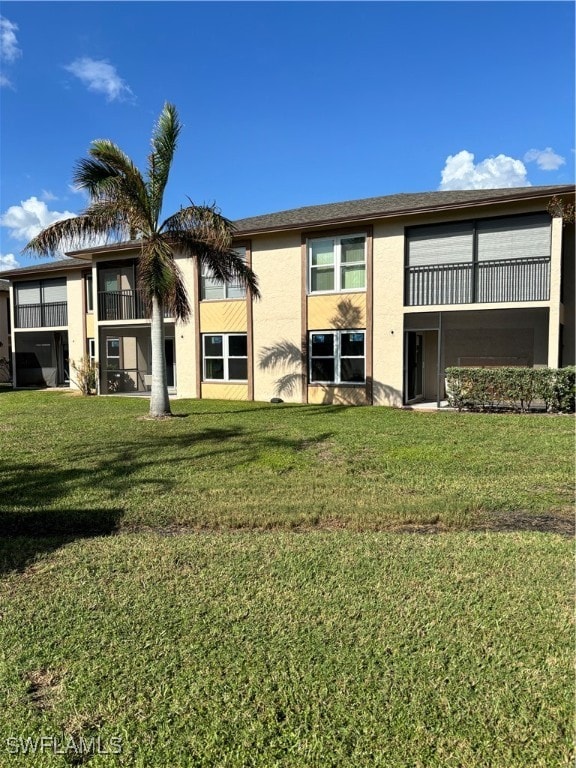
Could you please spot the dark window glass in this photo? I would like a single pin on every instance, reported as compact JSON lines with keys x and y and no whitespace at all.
{"x":322,"y":344}
{"x":237,"y":346}
{"x":237,"y":369}
{"x":215,"y":369}
{"x":352,"y":369}
{"x":213,"y":346}
{"x":352,"y":344}
{"x":322,"y":369}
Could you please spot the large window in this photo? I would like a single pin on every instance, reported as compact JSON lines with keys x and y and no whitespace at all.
{"x":211,"y":288}
{"x":337,"y":357}
{"x":337,"y":264}
{"x":225,"y":356}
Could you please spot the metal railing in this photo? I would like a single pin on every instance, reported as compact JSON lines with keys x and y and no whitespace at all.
{"x":121,"y":305}
{"x":41,"y":315}
{"x":502,"y":280}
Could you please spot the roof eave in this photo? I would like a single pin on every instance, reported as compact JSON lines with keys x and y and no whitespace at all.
{"x":360,"y":218}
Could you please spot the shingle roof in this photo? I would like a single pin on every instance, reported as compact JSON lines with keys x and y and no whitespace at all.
{"x":368,"y":208}
{"x":390,"y":205}
{"x":48,"y":266}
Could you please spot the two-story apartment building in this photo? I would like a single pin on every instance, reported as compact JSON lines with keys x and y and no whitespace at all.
{"x":363,"y":302}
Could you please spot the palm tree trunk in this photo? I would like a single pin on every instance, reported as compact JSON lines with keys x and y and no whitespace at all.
{"x":159,"y":401}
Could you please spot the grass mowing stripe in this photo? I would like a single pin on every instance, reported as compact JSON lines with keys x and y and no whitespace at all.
{"x":317,"y":649}
{"x":257,"y":465}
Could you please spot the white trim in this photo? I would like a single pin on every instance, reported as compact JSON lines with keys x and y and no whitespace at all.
{"x":337,"y":357}
{"x":225,"y":357}
{"x":336,"y":265}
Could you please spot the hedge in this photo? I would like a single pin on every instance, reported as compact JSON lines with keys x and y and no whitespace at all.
{"x":515,"y":389}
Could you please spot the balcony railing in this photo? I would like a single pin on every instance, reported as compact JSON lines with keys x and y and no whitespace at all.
{"x":41,"y":315}
{"x":504,"y":280}
{"x":121,"y":305}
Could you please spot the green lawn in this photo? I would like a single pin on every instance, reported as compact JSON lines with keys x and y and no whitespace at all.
{"x":72,"y":462}
{"x":309,"y":638}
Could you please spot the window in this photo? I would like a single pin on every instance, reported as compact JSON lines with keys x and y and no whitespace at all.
{"x":91,"y":350}
{"x":337,"y":357}
{"x":225,"y":357}
{"x":89,"y":297}
{"x":213,"y":289}
{"x":112,"y":353}
{"x":337,"y":264}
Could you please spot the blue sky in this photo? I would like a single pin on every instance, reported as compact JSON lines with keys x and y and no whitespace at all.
{"x":284,"y":104}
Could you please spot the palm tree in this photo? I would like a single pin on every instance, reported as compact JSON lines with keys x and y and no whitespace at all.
{"x":125,"y":205}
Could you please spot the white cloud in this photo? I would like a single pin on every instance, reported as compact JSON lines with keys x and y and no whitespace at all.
{"x":100,"y":76}
{"x":9,"y":50}
{"x":545,"y":159}
{"x":8,"y":261}
{"x":460,"y":172}
{"x":47,"y":195}
{"x":29,"y":218}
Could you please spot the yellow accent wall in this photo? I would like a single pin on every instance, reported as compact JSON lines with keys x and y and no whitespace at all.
{"x":223,"y":316}
{"x":342,"y":310}
{"x":337,"y":395}
{"x":224,"y":391}
{"x":89,"y":325}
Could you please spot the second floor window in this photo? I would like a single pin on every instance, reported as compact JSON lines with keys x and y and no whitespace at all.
{"x":337,"y":264}
{"x":213,"y":289}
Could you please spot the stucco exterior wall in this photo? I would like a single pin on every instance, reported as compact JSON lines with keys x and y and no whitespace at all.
{"x":224,"y":391}
{"x":223,"y":316}
{"x":341,"y":310}
{"x":186,"y":346}
{"x":388,"y":313}
{"x":277,"y":317}
{"x":4,"y":335}
{"x":76,"y":322}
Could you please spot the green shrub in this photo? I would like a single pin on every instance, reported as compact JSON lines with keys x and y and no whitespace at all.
{"x":511,"y":388}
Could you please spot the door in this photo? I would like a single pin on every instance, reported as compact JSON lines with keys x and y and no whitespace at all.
{"x":169,"y":353}
{"x":414,"y":365}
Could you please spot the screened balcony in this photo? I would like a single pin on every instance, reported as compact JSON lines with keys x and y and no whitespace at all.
{"x":487,"y":261}
{"x":41,"y":304}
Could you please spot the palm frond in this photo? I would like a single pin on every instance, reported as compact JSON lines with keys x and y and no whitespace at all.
{"x":164,"y":142}
{"x":160,"y":276}
{"x":109,"y":175}
{"x":204,"y":222}
{"x":76,"y":232}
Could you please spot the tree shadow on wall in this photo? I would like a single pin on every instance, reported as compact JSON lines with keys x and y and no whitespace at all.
{"x":291,"y":363}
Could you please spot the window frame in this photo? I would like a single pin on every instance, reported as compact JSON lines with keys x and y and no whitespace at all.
{"x":89,"y":293}
{"x":337,"y":357}
{"x":224,"y":286}
{"x":225,"y":357}
{"x":337,"y":263}
{"x":91,"y":349}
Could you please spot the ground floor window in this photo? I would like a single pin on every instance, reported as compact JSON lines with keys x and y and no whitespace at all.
{"x":225,"y":357}
{"x":92,"y":351}
{"x":337,"y":357}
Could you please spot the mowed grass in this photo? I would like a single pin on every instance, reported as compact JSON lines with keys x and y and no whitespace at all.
{"x":71,"y":463}
{"x":252,"y":607}
{"x":316,"y":649}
